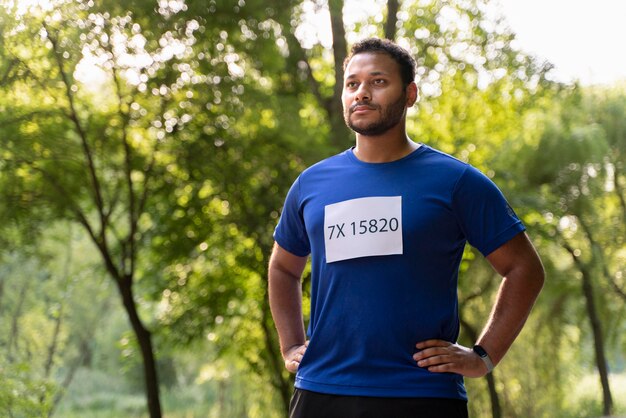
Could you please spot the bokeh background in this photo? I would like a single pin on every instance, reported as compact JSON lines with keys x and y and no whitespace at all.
{"x":146,"y":148}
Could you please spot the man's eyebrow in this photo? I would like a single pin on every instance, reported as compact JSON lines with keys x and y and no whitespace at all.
{"x":373,"y":73}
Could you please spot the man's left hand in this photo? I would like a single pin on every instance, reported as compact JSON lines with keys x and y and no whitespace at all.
{"x":439,"y":356}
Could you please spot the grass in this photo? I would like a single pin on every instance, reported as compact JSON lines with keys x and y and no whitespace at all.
{"x":94,"y":394}
{"x":97,"y":395}
{"x":587,"y":396}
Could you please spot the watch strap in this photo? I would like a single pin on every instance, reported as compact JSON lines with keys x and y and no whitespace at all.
{"x":482,"y":353}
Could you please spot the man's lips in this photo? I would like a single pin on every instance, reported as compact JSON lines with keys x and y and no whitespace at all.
{"x":361,"y":108}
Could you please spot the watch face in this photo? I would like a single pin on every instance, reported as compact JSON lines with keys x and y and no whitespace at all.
{"x":484,"y":357}
{"x":480,"y":351}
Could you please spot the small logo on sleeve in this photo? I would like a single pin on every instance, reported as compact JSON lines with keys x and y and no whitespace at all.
{"x":510,"y":211}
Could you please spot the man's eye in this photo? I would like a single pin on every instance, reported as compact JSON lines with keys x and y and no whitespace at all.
{"x":351,"y":84}
{"x":379,"y":81}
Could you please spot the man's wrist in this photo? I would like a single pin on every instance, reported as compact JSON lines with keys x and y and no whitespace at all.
{"x":290,"y":347}
{"x":482,"y":353}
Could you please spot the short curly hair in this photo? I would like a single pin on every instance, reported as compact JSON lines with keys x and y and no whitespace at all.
{"x":385,"y":46}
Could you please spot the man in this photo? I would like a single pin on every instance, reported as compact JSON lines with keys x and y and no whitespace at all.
{"x":385,"y":223}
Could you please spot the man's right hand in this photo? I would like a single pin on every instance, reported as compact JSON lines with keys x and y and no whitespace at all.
{"x":293,"y":357}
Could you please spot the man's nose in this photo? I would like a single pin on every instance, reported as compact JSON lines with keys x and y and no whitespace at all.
{"x":362,"y":94}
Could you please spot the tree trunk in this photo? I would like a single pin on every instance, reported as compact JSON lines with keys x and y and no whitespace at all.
{"x":618,"y":189}
{"x":14,"y":334}
{"x":598,"y":255}
{"x":496,"y":409}
{"x":58,"y":320}
{"x":52,"y":348}
{"x":598,"y":342}
{"x":596,"y":328}
{"x":144,"y":338}
{"x":392,"y":19}
{"x":340,"y":135}
{"x":1,"y":291}
{"x":74,"y":366}
{"x":283,"y":385}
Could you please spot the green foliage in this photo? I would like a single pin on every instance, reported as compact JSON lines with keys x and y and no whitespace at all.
{"x":46,"y":320}
{"x":568,"y":177}
{"x":168,"y":133}
{"x":23,"y":395}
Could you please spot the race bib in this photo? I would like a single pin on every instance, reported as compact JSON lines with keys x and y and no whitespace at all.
{"x":363,"y":227}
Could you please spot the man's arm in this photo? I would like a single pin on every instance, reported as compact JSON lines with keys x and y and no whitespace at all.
{"x":519,"y":265}
{"x":285,"y":295}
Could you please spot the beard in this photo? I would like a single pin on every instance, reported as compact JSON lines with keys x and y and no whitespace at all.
{"x":390,"y":117}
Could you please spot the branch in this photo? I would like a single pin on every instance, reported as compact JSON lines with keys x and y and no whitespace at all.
{"x":619,"y":191}
{"x":5,"y":77}
{"x":52,"y":348}
{"x":300,"y":54}
{"x":147,"y":176}
{"x":81,"y":218}
{"x":73,"y":115}
{"x":572,"y":252}
{"x":30,"y":116}
{"x":100,"y":241}
{"x":148,"y":172}
{"x":67,"y":380}
{"x":600,"y":254}
{"x":481,"y":290}
{"x":128,"y":247}
{"x":112,"y":204}
{"x":2,"y":281}
{"x":14,"y":334}
{"x":37,"y":79}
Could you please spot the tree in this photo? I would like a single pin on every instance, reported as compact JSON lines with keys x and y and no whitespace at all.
{"x":577,"y":182}
{"x":309,"y":80}
{"x":157,"y":139}
{"x":46,"y":320}
{"x":171,"y":131}
{"x":88,"y":158}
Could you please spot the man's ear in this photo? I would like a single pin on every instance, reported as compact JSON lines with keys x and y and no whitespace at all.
{"x":412,"y":94}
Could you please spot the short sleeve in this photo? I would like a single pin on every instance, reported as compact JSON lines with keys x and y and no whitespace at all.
{"x":290,"y":233}
{"x":485,"y":217}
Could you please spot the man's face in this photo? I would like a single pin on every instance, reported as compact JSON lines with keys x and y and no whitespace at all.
{"x":374,"y":98}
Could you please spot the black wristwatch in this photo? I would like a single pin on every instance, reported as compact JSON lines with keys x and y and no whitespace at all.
{"x":484,"y":357}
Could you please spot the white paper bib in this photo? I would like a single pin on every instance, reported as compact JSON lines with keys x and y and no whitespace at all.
{"x":368,"y":226}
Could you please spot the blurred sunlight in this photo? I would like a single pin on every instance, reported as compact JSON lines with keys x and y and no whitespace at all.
{"x":582,"y":39}
{"x":24,"y":6}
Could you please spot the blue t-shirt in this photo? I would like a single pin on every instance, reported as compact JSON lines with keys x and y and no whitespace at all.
{"x":386,"y":241}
